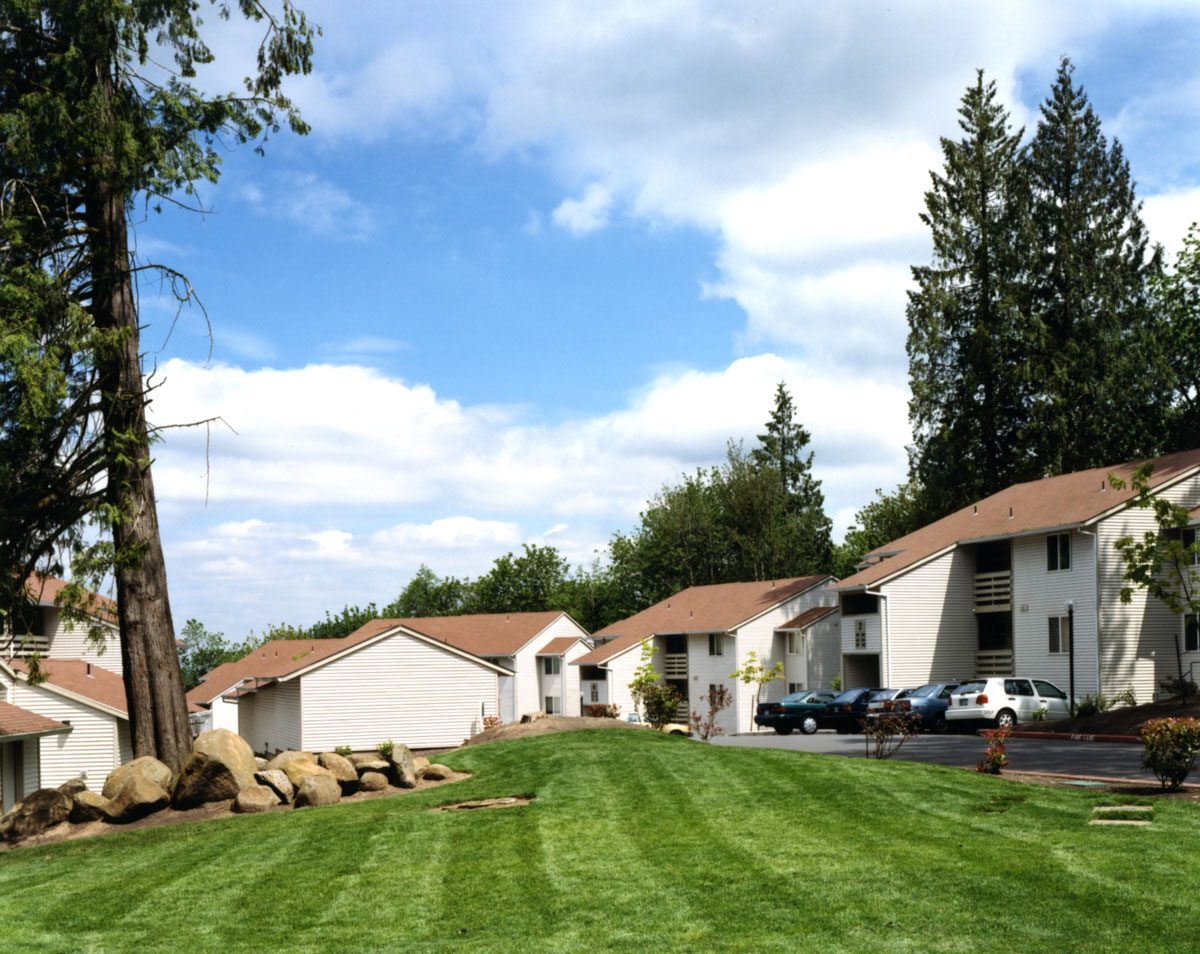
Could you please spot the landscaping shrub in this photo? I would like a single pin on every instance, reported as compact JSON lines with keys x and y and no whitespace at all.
{"x":994,"y":758}
{"x":344,"y":751}
{"x":490,"y":722}
{"x":1091,"y":705}
{"x":385,"y":749}
{"x":1171,"y":749}
{"x":836,"y":683}
{"x":1177,"y":686}
{"x":660,"y":702}
{"x":716,"y":699}
{"x":603,"y":710}
{"x":1126,"y":697}
{"x":887,"y":731}
{"x":1039,"y":715}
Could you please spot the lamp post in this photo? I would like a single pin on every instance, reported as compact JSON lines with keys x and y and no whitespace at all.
{"x":1071,"y":656}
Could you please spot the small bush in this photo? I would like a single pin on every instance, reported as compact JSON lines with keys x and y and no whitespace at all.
{"x":344,"y":751}
{"x":660,"y":702}
{"x":706,"y":727}
{"x":887,"y":731}
{"x":1091,"y":705}
{"x":1171,"y":749}
{"x":385,"y":749}
{"x":994,"y":758}
{"x":1126,"y":697}
{"x":836,"y":683}
{"x":603,"y":710}
{"x":1175,"y":686}
{"x":1039,"y":715}
{"x":490,"y":722}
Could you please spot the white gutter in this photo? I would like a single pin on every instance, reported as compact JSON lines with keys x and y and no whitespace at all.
{"x":886,"y":633}
{"x":1096,"y":599}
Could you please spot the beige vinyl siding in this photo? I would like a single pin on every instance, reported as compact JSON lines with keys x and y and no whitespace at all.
{"x":526,"y":665}
{"x":620,"y":674}
{"x":705,"y":670}
{"x":822,"y":644}
{"x":572,"y":700}
{"x":70,"y":641}
{"x":399,"y":688}
{"x":91,"y":749}
{"x":269,"y":719}
{"x":224,"y":715}
{"x":551,"y":685}
{"x":874,"y":634}
{"x":930,"y":622}
{"x":33,"y":762}
{"x":1039,"y":594}
{"x":124,"y":742}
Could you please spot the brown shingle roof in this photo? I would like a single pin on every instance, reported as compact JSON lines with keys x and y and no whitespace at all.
{"x":45,"y":589}
{"x":558,"y":646}
{"x":808,"y":617}
{"x":490,"y":634}
{"x":17,"y":721}
{"x":698,"y":609}
{"x":1063,"y":501}
{"x":81,"y":678}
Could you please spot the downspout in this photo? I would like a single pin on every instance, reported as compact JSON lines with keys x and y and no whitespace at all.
{"x":885,"y":634}
{"x":1095,"y":599}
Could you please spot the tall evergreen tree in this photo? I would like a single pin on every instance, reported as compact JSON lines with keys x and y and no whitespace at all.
{"x":89,"y":122}
{"x":967,"y":326}
{"x":1095,"y":349}
{"x":1176,"y":299}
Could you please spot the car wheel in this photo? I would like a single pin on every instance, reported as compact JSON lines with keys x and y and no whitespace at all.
{"x":1005,"y":719}
{"x":938,"y":723}
{"x":809,"y":725}
{"x":783,"y":730}
{"x":676,"y":732}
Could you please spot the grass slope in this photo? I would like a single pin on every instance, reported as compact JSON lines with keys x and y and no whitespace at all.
{"x":636,"y":842}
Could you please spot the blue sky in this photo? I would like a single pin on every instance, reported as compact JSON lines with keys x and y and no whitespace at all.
{"x":535,"y":259}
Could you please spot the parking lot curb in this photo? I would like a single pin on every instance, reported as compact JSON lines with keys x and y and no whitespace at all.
{"x":1073,"y":737}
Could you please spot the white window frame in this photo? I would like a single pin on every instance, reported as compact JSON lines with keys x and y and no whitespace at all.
{"x":553,"y":705}
{"x":1059,"y":635}
{"x":594,"y":693}
{"x":1194,"y":644}
{"x":552,"y":665}
{"x":860,"y":634}
{"x":716,"y":644}
{"x":1189,"y":539}
{"x":795,"y":643}
{"x":1055,"y":551}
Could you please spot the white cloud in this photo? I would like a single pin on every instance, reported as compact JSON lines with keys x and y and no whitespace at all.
{"x":319,"y":207}
{"x":1169,"y":215}
{"x":585,"y":214}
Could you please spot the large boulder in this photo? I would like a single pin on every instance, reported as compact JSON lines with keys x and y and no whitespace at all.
{"x":298,"y":766}
{"x":370,"y":763}
{"x":402,"y":771}
{"x":221,"y":764}
{"x":277,"y":781}
{"x":36,"y":813}
{"x":532,"y":717}
{"x":136,"y":798}
{"x":260,"y":763}
{"x":343,"y":771}
{"x":372,"y":782}
{"x":147,"y":767}
{"x":255,"y":798}
{"x":318,"y":790}
{"x":420,"y":764}
{"x":89,"y":806}
{"x":436,"y":772}
{"x":73,"y":785}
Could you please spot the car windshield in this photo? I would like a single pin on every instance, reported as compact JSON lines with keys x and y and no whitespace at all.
{"x":881,"y":695}
{"x":966,"y":687}
{"x":797,"y":697}
{"x":850,"y":695}
{"x":925,"y":691}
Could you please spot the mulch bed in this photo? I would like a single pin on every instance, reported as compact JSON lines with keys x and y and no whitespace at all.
{"x":1122,"y":721}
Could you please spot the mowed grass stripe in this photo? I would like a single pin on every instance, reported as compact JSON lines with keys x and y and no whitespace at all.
{"x":635,"y":842}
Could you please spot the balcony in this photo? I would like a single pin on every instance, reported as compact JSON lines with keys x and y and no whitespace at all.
{"x":675,"y":666}
{"x":993,"y":592}
{"x":27,"y":645}
{"x":993,"y":662}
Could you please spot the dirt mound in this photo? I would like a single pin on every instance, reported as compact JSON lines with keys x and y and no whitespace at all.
{"x":547,"y":726}
{"x":1122,"y":721}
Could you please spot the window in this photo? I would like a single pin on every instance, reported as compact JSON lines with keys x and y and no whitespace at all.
{"x":595,"y":693}
{"x":1191,"y":633}
{"x":1048,"y":690}
{"x":795,"y":644}
{"x":860,"y":634}
{"x":795,"y":687}
{"x":552,"y":665}
{"x":1189,"y":540}
{"x":1018,"y":687}
{"x":1060,"y":634}
{"x":716,"y":644}
{"x":1058,"y":551}
{"x":553,"y":705}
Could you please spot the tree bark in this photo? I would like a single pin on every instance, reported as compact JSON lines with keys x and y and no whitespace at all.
{"x":153,"y":681}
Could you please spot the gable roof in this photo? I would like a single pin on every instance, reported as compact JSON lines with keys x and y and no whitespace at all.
{"x":808,"y":617}
{"x":16,"y":723}
{"x":1066,"y":501}
{"x":88,"y":683}
{"x":718,"y":608}
{"x":558,"y":645}
{"x":492,"y":634}
{"x":44,"y":590}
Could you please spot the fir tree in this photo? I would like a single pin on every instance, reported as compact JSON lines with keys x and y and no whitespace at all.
{"x":967,"y":330}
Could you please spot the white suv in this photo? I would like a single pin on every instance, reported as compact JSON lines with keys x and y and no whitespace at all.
{"x":1004,"y":701}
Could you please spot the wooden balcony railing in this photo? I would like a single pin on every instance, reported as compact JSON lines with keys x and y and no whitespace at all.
{"x":675,"y":665}
{"x":993,"y":662}
{"x":993,"y":592}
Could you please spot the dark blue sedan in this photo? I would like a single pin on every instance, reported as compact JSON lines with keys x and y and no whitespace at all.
{"x":801,"y":710}
{"x":929,"y":704}
{"x":845,"y":712}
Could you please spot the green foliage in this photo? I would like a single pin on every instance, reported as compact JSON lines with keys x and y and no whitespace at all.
{"x":645,"y":677}
{"x":385,"y":749}
{"x":836,"y":683}
{"x":1159,"y":561}
{"x":1179,"y":686}
{"x":661,"y":702}
{"x":717,"y":700}
{"x":428,"y":594}
{"x":1175,"y":296}
{"x":994,"y":759}
{"x":1126,"y":697}
{"x":1090,"y":705}
{"x":756,"y":673}
{"x":344,"y":751}
{"x":1039,"y":715}
{"x":602,"y":710}
{"x":1171,"y":747}
{"x":204,"y":650}
{"x":517,"y":584}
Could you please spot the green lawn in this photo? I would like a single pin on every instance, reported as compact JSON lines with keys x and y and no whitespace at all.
{"x":635,"y":842}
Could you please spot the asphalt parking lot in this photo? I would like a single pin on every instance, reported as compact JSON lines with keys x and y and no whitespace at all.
{"x":1101,"y":759}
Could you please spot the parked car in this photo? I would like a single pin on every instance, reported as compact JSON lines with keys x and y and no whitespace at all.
{"x":800,"y":710}
{"x":671,"y":728}
{"x":928,"y":703}
{"x":1005,"y":701}
{"x":844,"y":712}
{"x":876,"y":702}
